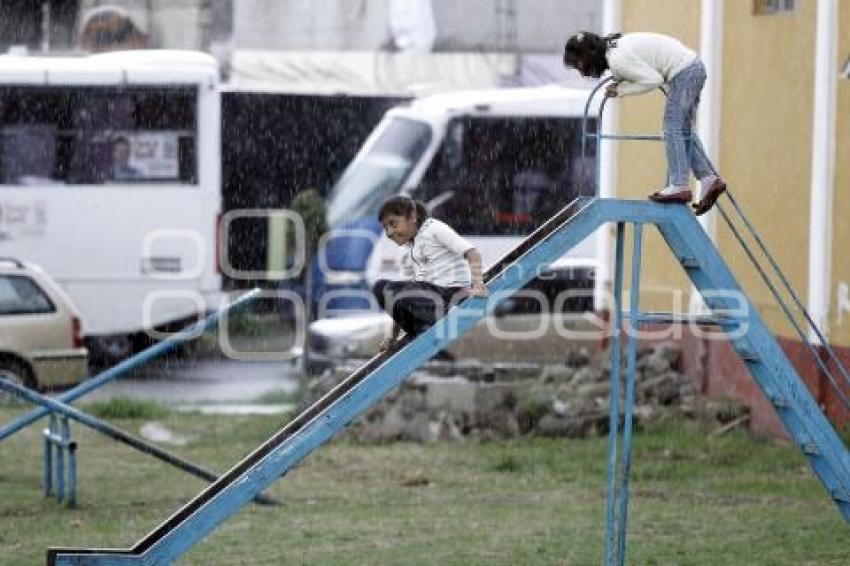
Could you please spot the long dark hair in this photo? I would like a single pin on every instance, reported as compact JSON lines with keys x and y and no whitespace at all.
{"x":586,"y":51}
{"x":403,"y":206}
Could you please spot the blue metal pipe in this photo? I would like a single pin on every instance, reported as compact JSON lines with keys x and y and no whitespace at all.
{"x":47,"y":475}
{"x":127,"y":365}
{"x":47,"y":468}
{"x":585,"y":135}
{"x":71,"y":448}
{"x":631,"y":362}
{"x":614,"y":419}
{"x":60,"y":465}
{"x":72,"y":474}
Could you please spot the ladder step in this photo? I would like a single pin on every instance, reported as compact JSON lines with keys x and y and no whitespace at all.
{"x":747,"y":354}
{"x":718,"y":319}
{"x":840,"y":494}
{"x":810,"y":449}
{"x":689,"y":262}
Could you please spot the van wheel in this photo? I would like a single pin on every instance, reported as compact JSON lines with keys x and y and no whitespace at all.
{"x":106,"y":351}
{"x":18,"y":373}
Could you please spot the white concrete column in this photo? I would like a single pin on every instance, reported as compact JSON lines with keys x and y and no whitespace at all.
{"x":612,"y":21}
{"x":708,"y":113}
{"x":823,"y":163}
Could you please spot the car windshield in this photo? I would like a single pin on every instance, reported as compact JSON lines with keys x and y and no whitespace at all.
{"x":378,"y":173}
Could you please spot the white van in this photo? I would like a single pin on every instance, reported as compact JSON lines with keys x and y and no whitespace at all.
{"x":110,"y":180}
{"x":494,"y":164}
{"x":501,"y":163}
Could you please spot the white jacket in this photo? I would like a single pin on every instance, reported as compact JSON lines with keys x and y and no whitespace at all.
{"x":437,"y":256}
{"x":644,"y":61}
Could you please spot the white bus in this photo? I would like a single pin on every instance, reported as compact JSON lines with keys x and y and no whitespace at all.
{"x":110,"y":180}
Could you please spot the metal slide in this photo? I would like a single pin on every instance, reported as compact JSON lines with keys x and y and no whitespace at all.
{"x":757,"y":346}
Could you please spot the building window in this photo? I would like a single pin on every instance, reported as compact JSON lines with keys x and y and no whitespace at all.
{"x":770,"y":7}
{"x":48,"y":25}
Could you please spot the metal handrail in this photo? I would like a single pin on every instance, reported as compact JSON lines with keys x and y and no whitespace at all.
{"x":833,"y":356}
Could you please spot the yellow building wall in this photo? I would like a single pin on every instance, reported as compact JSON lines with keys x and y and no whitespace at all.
{"x":642,"y":165}
{"x":766,"y":137}
{"x":840,"y":310}
{"x":765,"y":142}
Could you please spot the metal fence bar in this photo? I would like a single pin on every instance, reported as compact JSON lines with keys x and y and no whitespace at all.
{"x":47,"y":468}
{"x":59,"y":478}
{"x":115,"y":433}
{"x":143,"y":357}
{"x":71,"y":448}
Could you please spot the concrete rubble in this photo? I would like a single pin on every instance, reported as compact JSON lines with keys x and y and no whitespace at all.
{"x":469,"y":399}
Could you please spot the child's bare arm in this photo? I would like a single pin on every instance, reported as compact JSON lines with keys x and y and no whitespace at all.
{"x":473,"y":257}
{"x":396,"y":330}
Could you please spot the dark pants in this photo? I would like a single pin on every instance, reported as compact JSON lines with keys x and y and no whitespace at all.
{"x":414,"y":305}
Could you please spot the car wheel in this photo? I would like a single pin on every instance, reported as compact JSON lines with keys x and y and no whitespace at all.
{"x":18,"y":373}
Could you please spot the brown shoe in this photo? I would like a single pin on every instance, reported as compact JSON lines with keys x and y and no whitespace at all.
{"x":717,"y":188}
{"x":682,"y":197}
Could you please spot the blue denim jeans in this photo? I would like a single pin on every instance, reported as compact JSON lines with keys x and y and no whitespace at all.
{"x":683,"y":153}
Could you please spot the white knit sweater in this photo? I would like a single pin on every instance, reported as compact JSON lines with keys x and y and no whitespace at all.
{"x":644,"y":61}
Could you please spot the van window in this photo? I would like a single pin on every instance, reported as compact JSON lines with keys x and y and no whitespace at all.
{"x":506,"y":176}
{"x":21,"y":295}
{"x":87,"y":135}
{"x":379,"y":173}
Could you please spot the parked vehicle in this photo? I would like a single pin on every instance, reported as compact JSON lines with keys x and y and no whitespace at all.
{"x":493,"y":164}
{"x":41,"y":332}
{"x":110,"y":179}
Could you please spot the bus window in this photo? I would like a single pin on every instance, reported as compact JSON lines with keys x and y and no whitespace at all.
{"x":98,"y":135}
{"x":506,"y":176}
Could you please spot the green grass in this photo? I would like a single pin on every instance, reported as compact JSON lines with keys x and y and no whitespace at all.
{"x":695,"y":500}
{"x":125,"y":408}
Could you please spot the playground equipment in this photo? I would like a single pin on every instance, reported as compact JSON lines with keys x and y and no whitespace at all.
{"x":57,"y":437}
{"x":59,"y":448}
{"x":730,"y":309}
{"x":770,"y":367}
{"x":785,"y":376}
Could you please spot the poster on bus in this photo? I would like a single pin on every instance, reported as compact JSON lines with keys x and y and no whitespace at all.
{"x":149,"y":155}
